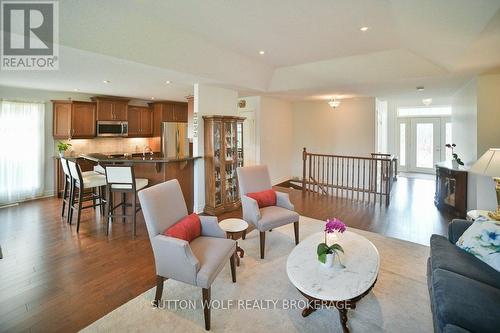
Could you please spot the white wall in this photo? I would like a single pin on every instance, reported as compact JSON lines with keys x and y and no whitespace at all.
{"x":488,"y":113}
{"x":275,"y":123}
{"x":208,"y":100}
{"x":464,"y":121}
{"x":347,"y":130}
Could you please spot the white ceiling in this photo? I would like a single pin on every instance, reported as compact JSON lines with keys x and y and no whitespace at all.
{"x":312,"y":49}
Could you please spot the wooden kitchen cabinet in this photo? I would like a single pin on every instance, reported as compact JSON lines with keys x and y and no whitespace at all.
{"x":74,"y":119}
{"x":61,"y":119}
{"x":139,"y":121}
{"x":111,"y":109}
{"x":83,"y":120}
{"x":175,"y":112}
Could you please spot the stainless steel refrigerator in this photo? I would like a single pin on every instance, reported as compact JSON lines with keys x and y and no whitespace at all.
{"x":174,"y":140}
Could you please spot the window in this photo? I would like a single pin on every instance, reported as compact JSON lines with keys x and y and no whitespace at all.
{"x":402,"y":144}
{"x":424,"y":111}
{"x":21,"y":150}
{"x":425,"y":145}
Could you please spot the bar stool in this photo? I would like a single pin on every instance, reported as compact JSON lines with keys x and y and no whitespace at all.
{"x":78,"y":181}
{"x":67,"y":183}
{"x":121,"y":179}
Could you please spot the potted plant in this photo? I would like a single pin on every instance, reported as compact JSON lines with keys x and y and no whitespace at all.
{"x":456,"y":161}
{"x":327,"y":252}
{"x":62,"y":147}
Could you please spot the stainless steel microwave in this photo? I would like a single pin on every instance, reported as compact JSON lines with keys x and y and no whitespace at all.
{"x":112,"y":128}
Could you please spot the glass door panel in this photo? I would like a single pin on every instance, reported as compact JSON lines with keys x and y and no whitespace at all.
{"x":425,"y":144}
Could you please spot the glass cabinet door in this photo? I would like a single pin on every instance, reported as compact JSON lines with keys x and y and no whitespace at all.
{"x":239,"y":143}
{"x":217,"y":162}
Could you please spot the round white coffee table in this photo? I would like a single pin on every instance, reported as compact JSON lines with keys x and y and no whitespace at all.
{"x":232,"y":227}
{"x":336,"y":286}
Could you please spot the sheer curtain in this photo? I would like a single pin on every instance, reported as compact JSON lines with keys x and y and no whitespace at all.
{"x":21,"y":150}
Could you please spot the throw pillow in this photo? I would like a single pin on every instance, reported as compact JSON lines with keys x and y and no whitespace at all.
{"x":264,"y":198}
{"x":187,"y":228}
{"x":482,"y":239}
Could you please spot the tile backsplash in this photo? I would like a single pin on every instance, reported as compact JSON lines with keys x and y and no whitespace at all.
{"x":107,"y":145}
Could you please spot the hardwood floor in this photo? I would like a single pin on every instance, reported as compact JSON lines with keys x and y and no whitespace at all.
{"x":53,"y":279}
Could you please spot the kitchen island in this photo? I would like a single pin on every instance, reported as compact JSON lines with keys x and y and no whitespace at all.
{"x":155,"y":167}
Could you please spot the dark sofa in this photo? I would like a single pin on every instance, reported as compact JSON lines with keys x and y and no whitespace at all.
{"x":464,"y":291}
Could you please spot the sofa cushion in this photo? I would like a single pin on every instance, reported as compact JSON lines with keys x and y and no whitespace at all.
{"x":448,"y":256}
{"x":212,"y":254}
{"x":454,"y":329}
{"x":264,"y":198}
{"x":463,"y":302}
{"x":482,"y":239}
{"x":187,"y":228}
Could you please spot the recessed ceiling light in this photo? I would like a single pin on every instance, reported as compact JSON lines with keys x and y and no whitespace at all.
{"x":76,"y":89}
{"x":364,"y":29}
{"x":261,"y":52}
{"x":106,"y":81}
{"x":420,"y":88}
{"x":168,"y":82}
{"x":152,"y":98}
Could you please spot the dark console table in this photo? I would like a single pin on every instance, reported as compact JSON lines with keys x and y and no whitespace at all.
{"x":451,"y":189}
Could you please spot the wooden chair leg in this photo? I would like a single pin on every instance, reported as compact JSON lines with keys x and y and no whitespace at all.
{"x":206,"y":307}
{"x":71,"y":201}
{"x":159,"y":289}
{"x":262,"y":243}
{"x":296,"y":231}
{"x":134,"y":214}
{"x":124,"y":206}
{"x":244,"y":235}
{"x":108,"y":210}
{"x":233,"y":268}
{"x":94,"y":201}
{"x":65,"y":196}
{"x":80,"y":202}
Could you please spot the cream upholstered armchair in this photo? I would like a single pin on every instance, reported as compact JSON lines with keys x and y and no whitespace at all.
{"x":255,"y":179}
{"x":197,"y":263}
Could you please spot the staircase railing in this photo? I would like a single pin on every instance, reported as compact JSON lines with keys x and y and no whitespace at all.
{"x":357,"y":177}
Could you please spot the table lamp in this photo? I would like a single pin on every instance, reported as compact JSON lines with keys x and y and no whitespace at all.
{"x":489,"y":165}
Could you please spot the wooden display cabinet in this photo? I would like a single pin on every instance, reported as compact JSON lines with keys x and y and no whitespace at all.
{"x":223,"y":154}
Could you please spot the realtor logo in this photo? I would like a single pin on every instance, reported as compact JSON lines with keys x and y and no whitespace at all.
{"x":30,"y":35}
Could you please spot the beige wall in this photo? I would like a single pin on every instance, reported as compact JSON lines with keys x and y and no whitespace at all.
{"x":464,"y":121}
{"x":488,"y":113}
{"x":275,"y":123}
{"x":348,"y":130}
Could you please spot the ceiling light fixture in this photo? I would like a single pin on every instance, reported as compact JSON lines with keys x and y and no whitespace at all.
{"x":427,"y":101}
{"x":261,"y":52}
{"x":420,"y":88}
{"x":76,"y":89}
{"x":334,"y":102}
{"x":152,"y":98}
{"x":106,"y":81}
{"x":364,"y":29}
{"x":168,"y":82}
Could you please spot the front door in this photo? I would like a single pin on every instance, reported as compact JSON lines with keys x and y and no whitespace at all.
{"x":425,"y":150}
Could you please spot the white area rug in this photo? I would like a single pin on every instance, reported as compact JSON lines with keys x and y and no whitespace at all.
{"x":399,"y":302}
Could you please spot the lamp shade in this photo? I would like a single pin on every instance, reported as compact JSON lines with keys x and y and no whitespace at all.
{"x":488,"y":164}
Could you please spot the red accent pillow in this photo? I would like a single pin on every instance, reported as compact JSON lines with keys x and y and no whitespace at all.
{"x":187,"y":228}
{"x":264,"y":198}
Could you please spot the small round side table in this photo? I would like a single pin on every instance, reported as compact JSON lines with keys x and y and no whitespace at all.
{"x":232,"y":227}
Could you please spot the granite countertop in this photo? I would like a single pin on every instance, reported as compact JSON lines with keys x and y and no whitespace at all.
{"x":128,"y":158}
{"x":133,"y":158}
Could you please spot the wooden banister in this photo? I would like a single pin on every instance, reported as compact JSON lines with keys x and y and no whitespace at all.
{"x":356,"y":177}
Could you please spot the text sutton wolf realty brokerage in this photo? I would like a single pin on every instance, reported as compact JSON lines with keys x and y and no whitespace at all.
{"x":29,"y":35}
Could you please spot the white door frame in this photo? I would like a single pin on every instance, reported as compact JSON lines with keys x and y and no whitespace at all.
{"x":410,"y":156}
